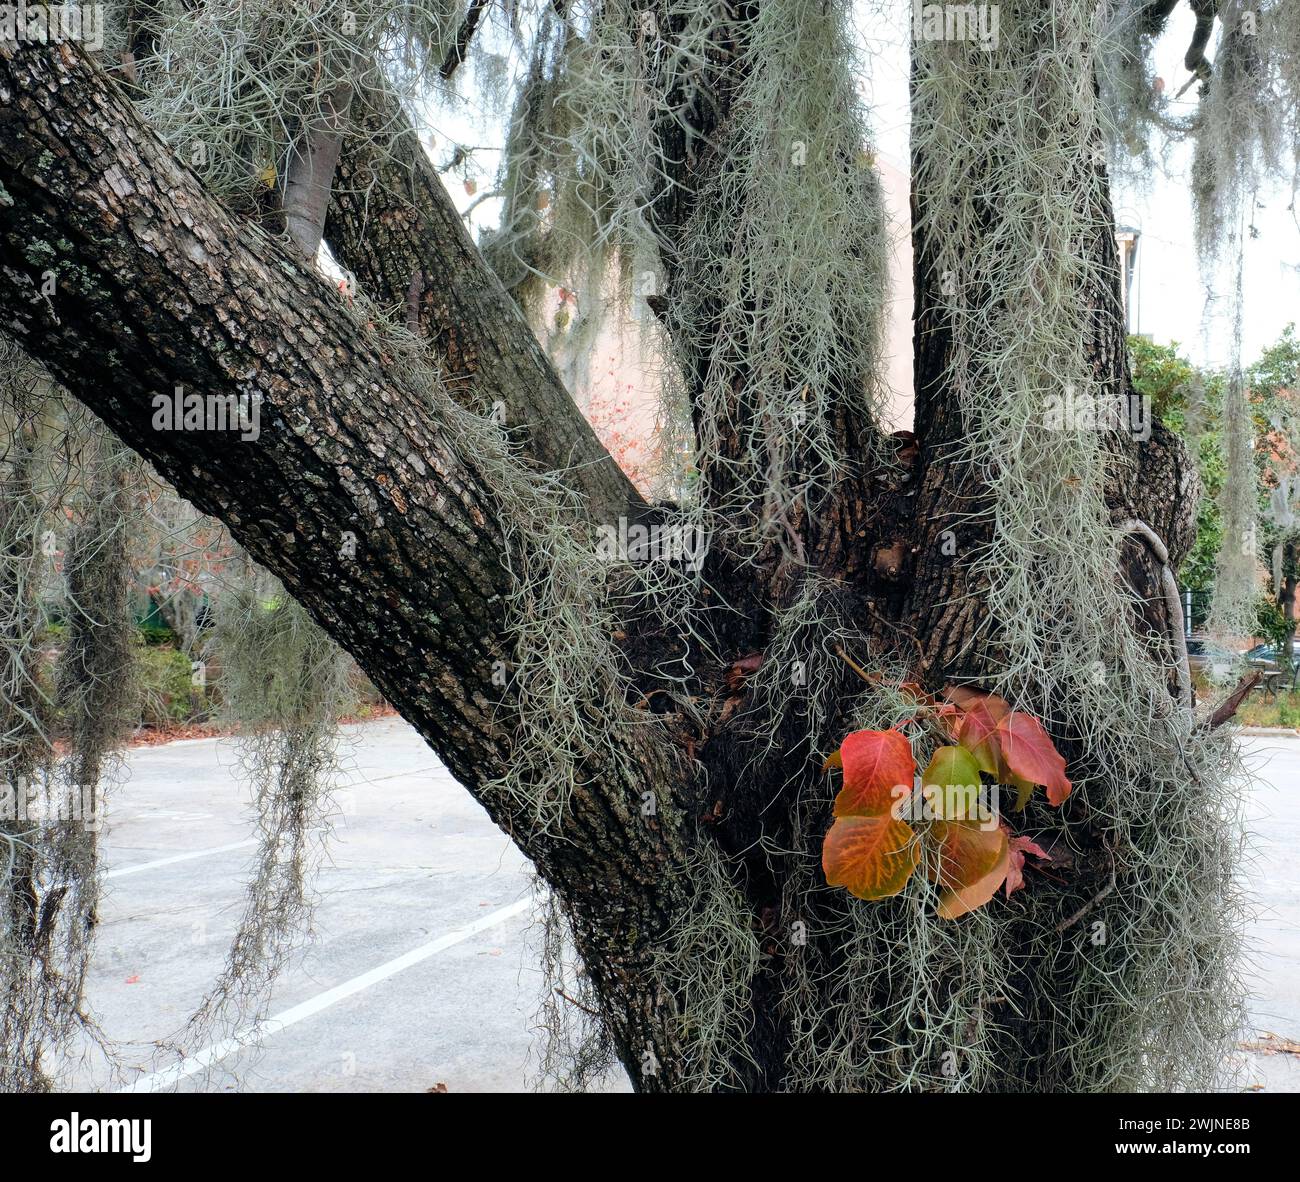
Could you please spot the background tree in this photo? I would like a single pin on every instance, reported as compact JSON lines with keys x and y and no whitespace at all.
{"x":653,"y":736}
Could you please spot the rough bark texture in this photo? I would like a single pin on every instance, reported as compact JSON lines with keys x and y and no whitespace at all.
{"x":1154,"y":481}
{"x":392,"y":225}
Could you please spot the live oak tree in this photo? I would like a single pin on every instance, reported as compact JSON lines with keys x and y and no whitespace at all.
{"x":652,"y":735}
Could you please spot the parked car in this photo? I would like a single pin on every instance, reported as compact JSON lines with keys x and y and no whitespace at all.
{"x":1212,"y":660}
{"x":1269,"y":656}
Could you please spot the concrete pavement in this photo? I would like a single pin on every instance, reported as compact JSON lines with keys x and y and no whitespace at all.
{"x":413,"y":860}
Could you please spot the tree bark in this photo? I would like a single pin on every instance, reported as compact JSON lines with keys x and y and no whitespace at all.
{"x":392,"y":225}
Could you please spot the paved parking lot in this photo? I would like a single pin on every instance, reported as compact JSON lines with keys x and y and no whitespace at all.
{"x":420,"y":972}
{"x":420,"y":926}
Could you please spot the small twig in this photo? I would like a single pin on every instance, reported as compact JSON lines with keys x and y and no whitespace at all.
{"x":902,"y":630}
{"x":1228,"y":707}
{"x":482,"y":197}
{"x":852,"y":664}
{"x":1066,"y":924}
{"x":583,"y":1008}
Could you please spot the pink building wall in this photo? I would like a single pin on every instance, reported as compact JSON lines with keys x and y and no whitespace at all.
{"x":620,"y":394}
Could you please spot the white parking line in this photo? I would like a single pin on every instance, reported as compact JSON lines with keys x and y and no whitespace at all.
{"x":171,"y":861}
{"x":160,"y":1080}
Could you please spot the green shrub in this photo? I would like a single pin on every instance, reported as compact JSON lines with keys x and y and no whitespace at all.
{"x":167,"y":695}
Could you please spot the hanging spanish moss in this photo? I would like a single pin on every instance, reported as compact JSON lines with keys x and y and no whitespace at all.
{"x":235,"y":89}
{"x":1236,"y":566}
{"x":1244,"y":134}
{"x":284,"y":684}
{"x":66,"y":492}
{"x":1147,"y":998}
{"x":574,"y":1052}
{"x":32,"y":1021}
{"x":574,"y":245}
{"x":527,"y":250}
{"x":565,"y":681}
{"x":707,"y":958}
{"x":780,"y":289}
{"x":784,"y":278}
{"x":97,"y":690}
{"x":1136,"y":102}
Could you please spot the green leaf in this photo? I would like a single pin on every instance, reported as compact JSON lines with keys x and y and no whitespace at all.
{"x":951,"y":783}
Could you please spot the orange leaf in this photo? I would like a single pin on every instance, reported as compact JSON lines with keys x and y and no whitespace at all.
{"x":951,"y":717}
{"x":878,"y":770}
{"x":1029,"y":753}
{"x":977,"y":732}
{"x":872,"y":857}
{"x":973,"y":863}
{"x":913,"y":690}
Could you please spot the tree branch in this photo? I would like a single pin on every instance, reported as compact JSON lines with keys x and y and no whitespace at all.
{"x":456,"y":54}
{"x":158,"y":286}
{"x":391,"y":217}
{"x":310,"y":171}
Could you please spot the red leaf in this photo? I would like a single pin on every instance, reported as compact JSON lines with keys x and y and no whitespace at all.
{"x":879,"y":769}
{"x":968,"y":699}
{"x":872,"y":857}
{"x":1030,"y":754}
{"x":1018,"y":848}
